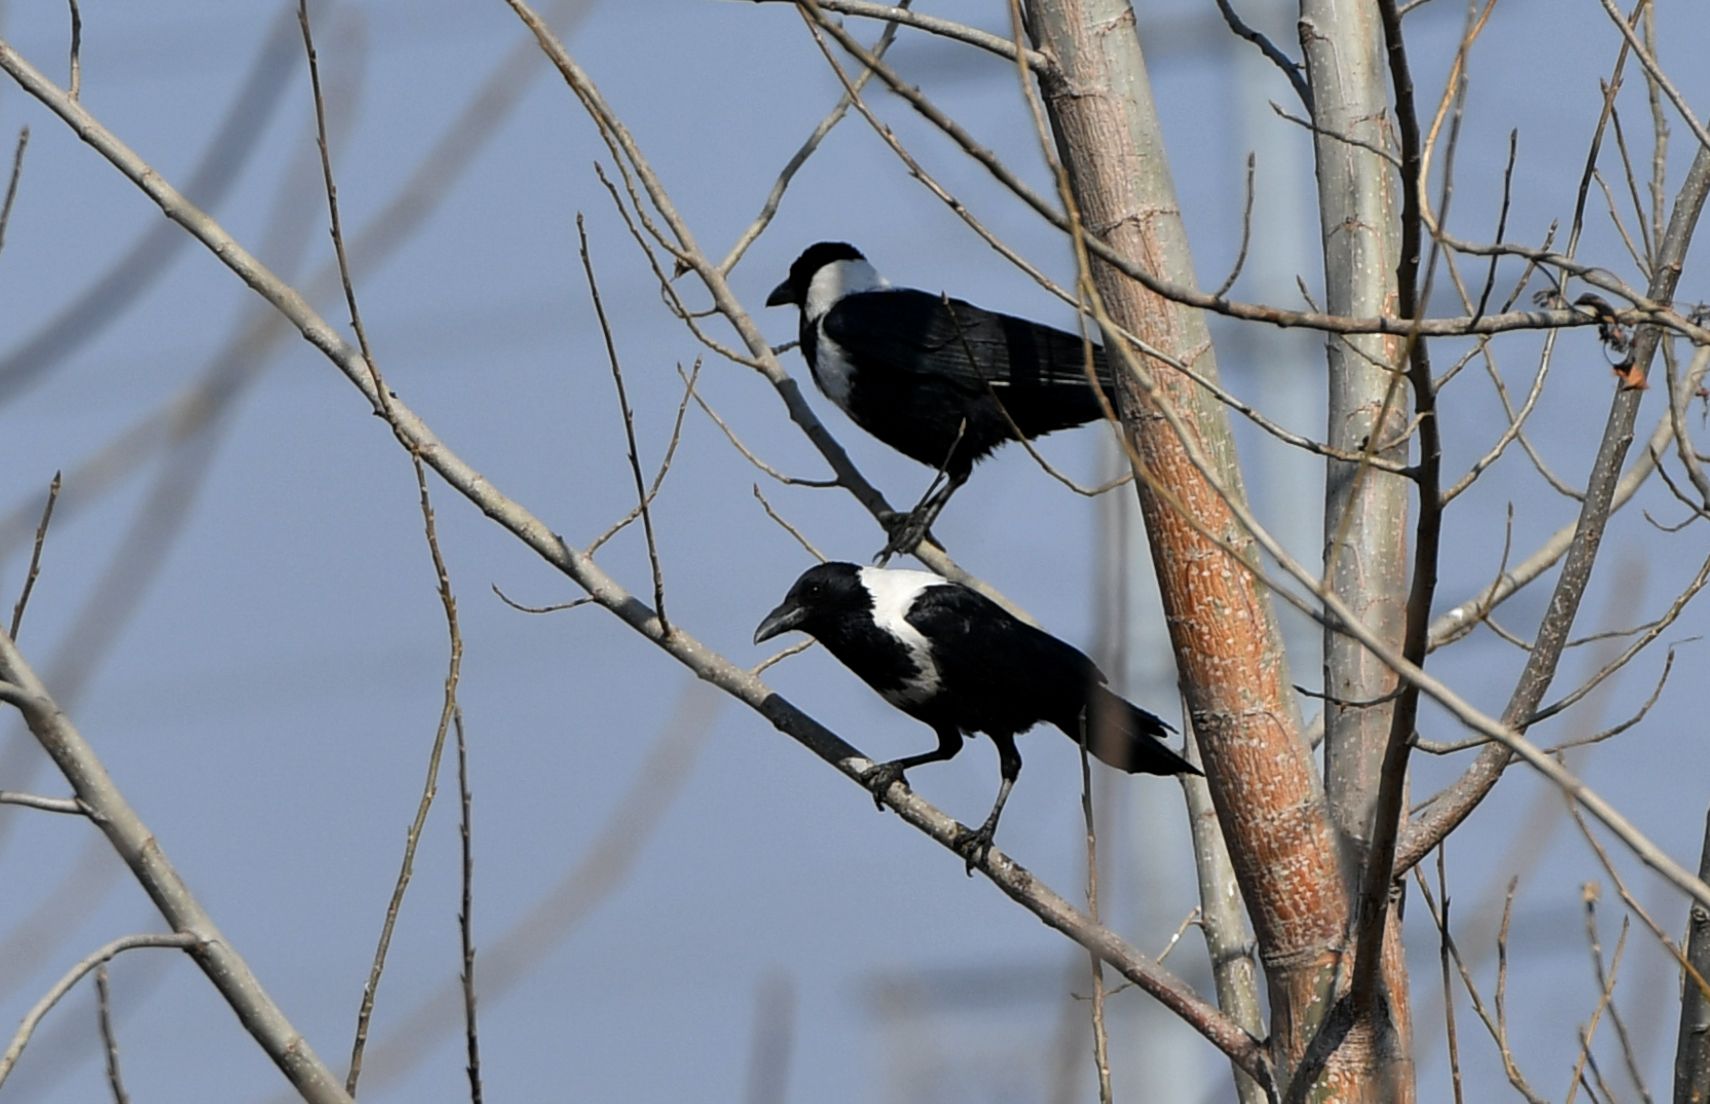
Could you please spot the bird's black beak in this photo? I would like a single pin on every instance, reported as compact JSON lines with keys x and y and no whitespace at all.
{"x":780,"y":621}
{"x":781,"y":296}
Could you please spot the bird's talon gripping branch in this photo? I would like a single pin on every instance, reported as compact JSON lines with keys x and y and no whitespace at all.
{"x":906,"y":531}
{"x":974,"y":844}
{"x":880,"y":778}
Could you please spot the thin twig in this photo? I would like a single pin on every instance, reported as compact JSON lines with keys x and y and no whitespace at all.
{"x":1605,"y":983}
{"x":1654,"y":630}
{"x":1448,"y":987}
{"x":35,"y":556}
{"x":1656,"y":74}
{"x":641,"y":495}
{"x":664,"y":464}
{"x":748,"y":454}
{"x":787,"y":527}
{"x":794,"y":649}
{"x":589,"y":879}
{"x":1246,"y":218}
{"x":68,"y":805}
{"x":466,"y":912}
{"x":1462,"y":618}
{"x":769,"y":208}
{"x":1495,"y":1025}
{"x":181,"y":940}
{"x":1693,"y":977}
{"x":383,"y":404}
{"x":1501,"y":218}
{"x":74,"y":83}
{"x":1638,"y":715}
{"x":1346,"y":139}
{"x":1508,"y":1065}
{"x":985,"y":40}
{"x":1101,"y":1038}
{"x":12,"y":182}
{"x":554,"y":608}
{"x":1290,"y":68}
{"x":109,"y":1041}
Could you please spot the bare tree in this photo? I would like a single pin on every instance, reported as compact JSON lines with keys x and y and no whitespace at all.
{"x":1319,"y":850}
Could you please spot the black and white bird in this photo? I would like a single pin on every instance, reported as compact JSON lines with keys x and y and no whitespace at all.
{"x":941,"y":381}
{"x":954,"y":659}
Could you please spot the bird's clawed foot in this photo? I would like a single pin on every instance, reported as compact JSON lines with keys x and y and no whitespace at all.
{"x":973,"y":844}
{"x":879,"y":780}
{"x":906,"y":531}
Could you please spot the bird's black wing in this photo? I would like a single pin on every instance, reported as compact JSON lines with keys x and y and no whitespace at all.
{"x":1001,"y":674}
{"x":958,"y":342}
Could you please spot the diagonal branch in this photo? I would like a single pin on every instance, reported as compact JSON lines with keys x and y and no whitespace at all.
{"x":932,"y":24}
{"x":1290,"y":68}
{"x":141,"y":851}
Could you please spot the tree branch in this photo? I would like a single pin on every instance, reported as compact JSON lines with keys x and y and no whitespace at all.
{"x":959,"y":32}
{"x":142,"y":852}
{"x":33,"y":1018}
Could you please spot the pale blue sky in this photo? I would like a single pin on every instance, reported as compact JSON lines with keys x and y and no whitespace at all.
{"x":269,"y":697}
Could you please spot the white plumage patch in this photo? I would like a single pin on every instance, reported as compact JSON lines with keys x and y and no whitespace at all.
{"x":832,"y":369}
{"x":835,"y":280}
{"x":893,"y":592}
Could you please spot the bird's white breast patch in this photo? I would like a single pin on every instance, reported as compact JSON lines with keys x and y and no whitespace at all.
{"x":833,"y":371}
{"x":832,"y":368}
{"x":893,"y":592}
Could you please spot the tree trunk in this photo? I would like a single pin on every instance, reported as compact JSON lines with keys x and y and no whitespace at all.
{"x":1221,"y":620}
{"x":1365,"y":510}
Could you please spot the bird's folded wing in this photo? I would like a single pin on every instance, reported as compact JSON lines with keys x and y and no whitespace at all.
{"x":981,"y":649}
{"x":908,"y":330}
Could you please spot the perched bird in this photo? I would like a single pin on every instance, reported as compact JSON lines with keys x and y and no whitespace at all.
{"x":939,"y":380}
{"x":953,"y":658}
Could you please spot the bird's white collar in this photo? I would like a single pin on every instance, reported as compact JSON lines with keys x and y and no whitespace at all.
{"x":835,"y":280}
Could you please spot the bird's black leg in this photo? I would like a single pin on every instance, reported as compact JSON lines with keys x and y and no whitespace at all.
{"x":973,"y":845}
{"x":908,"y":530}
{"x":880,"y":777}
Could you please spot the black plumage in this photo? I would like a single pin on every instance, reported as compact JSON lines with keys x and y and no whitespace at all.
{"x":954,"y":659}
{"x":940,"y":380}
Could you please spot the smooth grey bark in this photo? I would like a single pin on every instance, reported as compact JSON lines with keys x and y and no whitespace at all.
{"x":1228,"y":943}
{"x":1365,"y":510}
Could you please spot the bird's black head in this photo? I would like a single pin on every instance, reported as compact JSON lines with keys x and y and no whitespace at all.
{"x":823,"y":594}
{"x":815,"y":257}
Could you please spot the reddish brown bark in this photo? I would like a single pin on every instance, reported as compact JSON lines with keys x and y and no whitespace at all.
{"x":1221,"y":620}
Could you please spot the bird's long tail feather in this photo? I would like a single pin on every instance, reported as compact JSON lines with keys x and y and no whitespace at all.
{"x":1127,"y":737}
